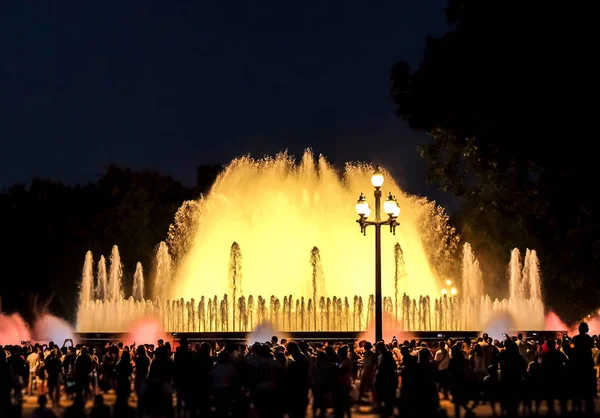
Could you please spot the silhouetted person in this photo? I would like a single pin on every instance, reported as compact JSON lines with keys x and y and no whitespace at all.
{"x":456,"y":378}
{"x":41,"y":411}
{"x":224,"y":381}
{"x":491,"y":388}
{"x":201,"y":383}
{"x":83,"y":369}
{"x":18,"y":367}
{"x":581,"y":363}
{"x":123,"y":370}
{"x":54,"y":370}
{"x":368,"y":371}
{"x":554,"y":376}
{"x":533,"y":388}
{"x":142,"y":365}
{"x":386,"y":381}
{"x":158,"y":399}
{"x":428,"y":400}
{"x":268,"y":384}
{"x":341,"y":392}
{"x":442,"y":359}
{"x":5,"y":383}
{"x":512,"y":372}
{"x":322,"y":382}
{"x":297,"y":382}
{"x":183,"y":376}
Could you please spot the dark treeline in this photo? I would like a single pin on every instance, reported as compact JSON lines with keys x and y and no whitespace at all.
{"x":503,"y":95}
{"x":48,"y":226}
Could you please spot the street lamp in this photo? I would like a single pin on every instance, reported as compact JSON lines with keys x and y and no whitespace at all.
{"x":391,"y":208}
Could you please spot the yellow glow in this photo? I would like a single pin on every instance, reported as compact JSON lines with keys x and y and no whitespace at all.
{"x":389,"y":206}
{"x":277,"y":210}
{"x":367,"y":212}
{"x":448,"y":282}
{"x":444,"y":291}
{"x":362,"y":206}
{"x":377,"y":178}
{"x":453,"y":291}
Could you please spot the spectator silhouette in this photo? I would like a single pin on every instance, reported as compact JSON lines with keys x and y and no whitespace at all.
{"x":512,"y":372}
{"x":41,"y":411}
{"x":427,"y":398}
{"x":386,"y":381}
{"x":297,"y":382}
{"x":491,"y":388}
{"x":554,"y":376}
{"x":582,"y":369}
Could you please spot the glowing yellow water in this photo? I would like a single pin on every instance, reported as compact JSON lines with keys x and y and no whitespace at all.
{"x":277,"y":210}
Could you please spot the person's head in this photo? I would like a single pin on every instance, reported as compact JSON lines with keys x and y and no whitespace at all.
{"x":161,"y":342}
{"x":492,"y":370}
{"x":274,"y":340}
{"x":205,"y":348}
{"x":141,"y":351}
{"x":42,"y":401}
{"x":284,"y":342}
{"x":343,"y":352}
{"x":368,"y":347}
{"x":293,"y":349}
{"x":551,"y":344}
{"x":520,"y":336}
{"x":120,"y":345}
{"x":485,"y":336}
{"x":405,"y":351}
{"x":511,"y":346}
{"x":584,"y":328}
{"x":478,"y":350}
{"x":125,"y":357}
{"x":183,"y":343}
{"x":456,"y":351}
{"x":424,"y":355}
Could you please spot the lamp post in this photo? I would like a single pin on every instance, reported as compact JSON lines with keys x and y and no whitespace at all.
{"x":391,"y":208}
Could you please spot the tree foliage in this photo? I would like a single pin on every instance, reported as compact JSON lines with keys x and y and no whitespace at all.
{"x":503,"y":96}
{"x":47,"y":228}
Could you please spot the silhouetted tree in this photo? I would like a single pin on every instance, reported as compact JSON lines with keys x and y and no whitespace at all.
{"x":47,"y":227}
{"x":502,"y":95}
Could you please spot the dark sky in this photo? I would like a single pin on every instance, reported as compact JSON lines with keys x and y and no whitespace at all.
{"x":168,"y":85}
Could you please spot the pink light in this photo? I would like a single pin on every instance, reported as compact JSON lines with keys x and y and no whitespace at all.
{"x":146,"y":331}
{"x":554,"y":323}
{"x":13,"y":330}
{"x":391,"y":328}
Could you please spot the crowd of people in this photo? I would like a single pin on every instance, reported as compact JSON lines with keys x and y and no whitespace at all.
{"x":276,"y":378}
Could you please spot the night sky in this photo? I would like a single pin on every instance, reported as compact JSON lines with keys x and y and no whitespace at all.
{"x":170,"y":85}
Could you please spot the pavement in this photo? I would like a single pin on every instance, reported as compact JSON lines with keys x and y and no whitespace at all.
{"x":30,"y":403}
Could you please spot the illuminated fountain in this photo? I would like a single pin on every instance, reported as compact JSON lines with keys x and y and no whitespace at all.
{"x":289,"y":228}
